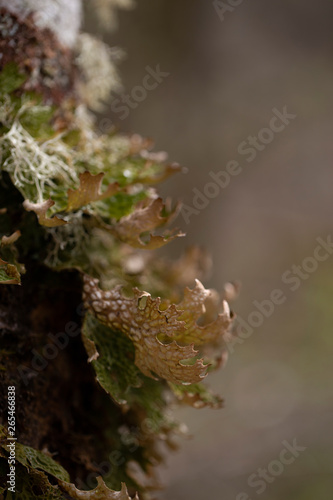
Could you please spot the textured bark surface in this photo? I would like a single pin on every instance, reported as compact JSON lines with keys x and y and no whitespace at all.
{"x":56,"y":405}
{"x":60,"y":407}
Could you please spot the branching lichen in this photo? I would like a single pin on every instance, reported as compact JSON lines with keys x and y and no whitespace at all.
{"x":36,"y":169}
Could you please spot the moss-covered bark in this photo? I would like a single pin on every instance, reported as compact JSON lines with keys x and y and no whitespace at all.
{"x":96,"y":336}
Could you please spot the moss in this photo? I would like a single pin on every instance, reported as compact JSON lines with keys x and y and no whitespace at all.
{"x":11,"y":78}
{"x":37,"y":120}
{"x":114,"y":367}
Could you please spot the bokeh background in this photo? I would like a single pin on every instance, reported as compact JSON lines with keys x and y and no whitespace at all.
{"x":225,"y":78}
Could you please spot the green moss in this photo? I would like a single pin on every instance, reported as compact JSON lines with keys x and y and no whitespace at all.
{"x":119,"y":205}
{"x":34,"y":485}
{"x":118,"y":375}
{"x":37,"y":121}
{"x":11,"y":78}
{"x":114,"y":367}
{"x":35,"y":459}
{"x":9,"y":273}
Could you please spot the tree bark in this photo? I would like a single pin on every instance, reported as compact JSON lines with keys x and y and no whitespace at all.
{"x":57,"y":397}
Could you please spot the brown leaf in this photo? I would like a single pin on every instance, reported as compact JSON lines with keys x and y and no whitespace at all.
{"x":196,"y":304}
{"x":195,"y":263}
{"x":101,"y":492}
{"x":164,"y":335}
{"x":90,"y":347}
{"x":138,"y":143}
{"x":144,"y":219}
{"x":89,"y":191}
{"x":40,"y":210}
{"x":9,"y":240}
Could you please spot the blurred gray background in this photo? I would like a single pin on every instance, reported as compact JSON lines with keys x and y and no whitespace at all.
{"x":225,"y":78}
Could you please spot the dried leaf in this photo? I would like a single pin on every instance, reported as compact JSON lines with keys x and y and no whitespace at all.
{"x":101,"y":492}
{"x":195,"y":263}
{"x":9,"y":240}
{"x":163,"y":335}
{"x":197,"y":303}
{"x":139,"y":143}
{"x":90,"y":347}
{"x":89,"y":191}
{"x":9,"y":274}
{"x":143,"y":220}
{"x":40,"y":210}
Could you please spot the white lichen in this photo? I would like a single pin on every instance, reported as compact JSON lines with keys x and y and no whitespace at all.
{"x":35,"y":165}
{"x":96,"y":61}
{"x":63,"y":17}
{"x":6,"y":110}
